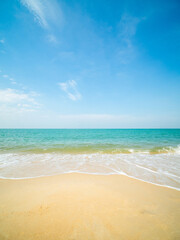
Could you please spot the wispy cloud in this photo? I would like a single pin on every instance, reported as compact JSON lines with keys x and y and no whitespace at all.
{"x":12,"y":81}
{"x":5,"y":76}
{"x":44,"y":11}
{"x":52,"y":39}
{"x":2,"y":41}
{"x":70,"y":88}
{"x":16,"y":99}
{"x":127,"y":30}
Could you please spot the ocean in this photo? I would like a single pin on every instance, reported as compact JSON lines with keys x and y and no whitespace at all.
{"x":151,"y":155}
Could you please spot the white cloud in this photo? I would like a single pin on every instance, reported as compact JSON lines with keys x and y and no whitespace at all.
{"x":127,"y":30}
{"x":12,"y":80}
{"x":2,"y":41}
{"x":37,"y":8}
{"x":5,"y":76}
{"x":9,"y":78}
{"x":127,"y":27}
{"x":52,"y":39}
{"x":44,"y":11}
{"x":12,"y":99}
{"x":70,"y":88}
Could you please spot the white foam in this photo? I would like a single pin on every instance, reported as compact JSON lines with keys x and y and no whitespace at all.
{"x":160,"y":169}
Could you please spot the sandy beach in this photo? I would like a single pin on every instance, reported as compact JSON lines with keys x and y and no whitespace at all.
{"x":82,"y":206}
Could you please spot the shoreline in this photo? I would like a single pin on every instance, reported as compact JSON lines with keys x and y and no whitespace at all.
{"x":85,"y":206}
{"x":161,"y":170}
{"x":96,"y":174}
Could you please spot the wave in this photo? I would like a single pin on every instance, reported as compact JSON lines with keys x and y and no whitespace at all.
{"x":90,"y":149}
{"x":162,"y":169}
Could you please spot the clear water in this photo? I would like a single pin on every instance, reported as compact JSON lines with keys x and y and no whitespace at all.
{"x":151,"y":155}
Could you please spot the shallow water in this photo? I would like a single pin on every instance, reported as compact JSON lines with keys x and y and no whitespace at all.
{"x":151,"y":155}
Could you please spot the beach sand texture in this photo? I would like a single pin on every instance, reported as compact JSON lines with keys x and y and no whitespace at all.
{"x":87,"y":207}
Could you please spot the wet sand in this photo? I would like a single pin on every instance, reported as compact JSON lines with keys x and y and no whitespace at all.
{"x":87,"y":207}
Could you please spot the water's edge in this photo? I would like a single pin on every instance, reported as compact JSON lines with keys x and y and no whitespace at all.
{"x":70,"y":172}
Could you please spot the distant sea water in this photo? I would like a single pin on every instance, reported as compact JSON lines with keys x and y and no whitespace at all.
{"x":151,"y":155}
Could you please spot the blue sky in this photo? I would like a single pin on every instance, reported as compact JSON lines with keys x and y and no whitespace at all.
{"x":89,"y":64}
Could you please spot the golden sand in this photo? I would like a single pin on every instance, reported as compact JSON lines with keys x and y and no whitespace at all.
{"x":87,"y":207}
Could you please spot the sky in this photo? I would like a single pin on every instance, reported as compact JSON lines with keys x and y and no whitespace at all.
{"x":89,"y":64}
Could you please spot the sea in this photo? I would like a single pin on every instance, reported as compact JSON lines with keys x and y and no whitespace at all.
{"x":150,"y":155}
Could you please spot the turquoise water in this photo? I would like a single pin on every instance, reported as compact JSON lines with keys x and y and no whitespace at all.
{"x":151,"y":155}
{"x":88,"y":140}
